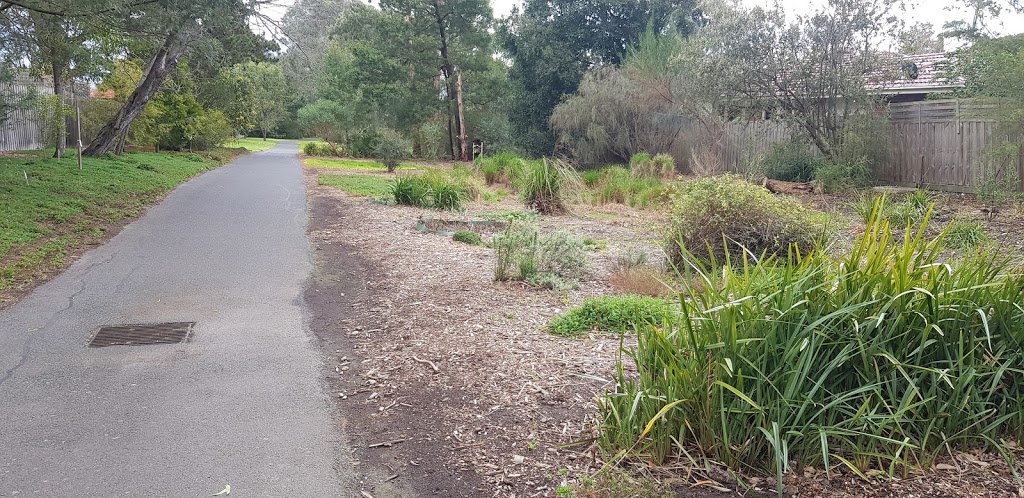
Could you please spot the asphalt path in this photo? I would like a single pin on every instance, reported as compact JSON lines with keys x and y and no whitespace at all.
{"x":241,"y":404}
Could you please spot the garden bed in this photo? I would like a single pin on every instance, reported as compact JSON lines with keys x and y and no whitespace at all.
{"x":432,"y":336}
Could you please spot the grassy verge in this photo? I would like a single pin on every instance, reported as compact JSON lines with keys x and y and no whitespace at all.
{"x":349,"y":164}
{"x":371,"y":186}
{"x":61,"y":208}
{"x":253,"y":144}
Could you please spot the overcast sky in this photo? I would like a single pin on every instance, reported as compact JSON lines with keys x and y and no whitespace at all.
{"x":933,"y":11}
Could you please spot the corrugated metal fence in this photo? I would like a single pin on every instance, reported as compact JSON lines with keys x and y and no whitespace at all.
{"x":21,"y":131}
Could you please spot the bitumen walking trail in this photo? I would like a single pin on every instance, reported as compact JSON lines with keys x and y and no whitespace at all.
{"x":241,"y":403}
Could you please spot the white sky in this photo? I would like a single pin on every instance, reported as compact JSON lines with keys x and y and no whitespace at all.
{"x":936,"y":12}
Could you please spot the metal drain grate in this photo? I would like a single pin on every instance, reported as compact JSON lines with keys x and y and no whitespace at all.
{"x":142,"y":335}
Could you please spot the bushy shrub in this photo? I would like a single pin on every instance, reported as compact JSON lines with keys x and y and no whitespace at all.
{"x":791,"y":162}
{"x":212,"y":131}
{"x":619,"y":314}
{"x":843,"y":176}
{"x":391,"y":148}
{"x":909,"y":211}
{"x":323,"y":149}
{"x":721,"y":217}
{"x":554,"y":261}
{"x":642,"y":165}
{"x":467,"y":237}
{"x":363,"y":143}
{"x":876,"y":361}
{"x":548,"y":186}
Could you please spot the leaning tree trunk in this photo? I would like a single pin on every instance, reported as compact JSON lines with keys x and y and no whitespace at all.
{"x":162,"y":65}
{"x":60,"y":120}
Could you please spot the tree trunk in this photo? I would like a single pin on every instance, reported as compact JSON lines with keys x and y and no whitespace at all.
{"x":462,"y":119}
{"x":446,"y":71}
{"x":162,"y":65}
{"x":61,"y":120}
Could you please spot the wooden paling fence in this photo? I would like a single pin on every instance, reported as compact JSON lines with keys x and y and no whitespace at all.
{"x":939,"y":144}
{"x":21,"y":131}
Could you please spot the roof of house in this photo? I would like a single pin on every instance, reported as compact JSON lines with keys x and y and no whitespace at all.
{"x":923,"y":73}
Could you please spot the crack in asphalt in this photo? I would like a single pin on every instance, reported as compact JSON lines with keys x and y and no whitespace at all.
{"x":36,"y":333}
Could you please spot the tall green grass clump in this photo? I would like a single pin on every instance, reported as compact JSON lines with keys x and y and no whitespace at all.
{"x":642,"y":165}
{"x":430,"y":190}
{"x":549,"y":186}
{"x":555,"y":261}
{"x":503,"y":167}
{"x":617,"y":185}
{"x":877,"y":361}
{"x":722,"y":218}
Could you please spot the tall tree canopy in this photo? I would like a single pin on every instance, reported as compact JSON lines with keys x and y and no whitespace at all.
{"x":552,"y":43}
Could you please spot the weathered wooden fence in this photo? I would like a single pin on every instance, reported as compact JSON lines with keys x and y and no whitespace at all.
{"x":945,"y":144}
{"x":940,"y":144}
{"x":21,"y":131}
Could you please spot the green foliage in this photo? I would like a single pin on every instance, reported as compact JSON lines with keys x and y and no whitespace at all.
{"x":212,"y":130}
{"x":617,"y":185}
{"x":50,"y":113}
{"x":392,"y":148}
{"x":618,"y":314}
{"x":326,"y":119}
{"x":878,"y":360}
{"x":963,"y":234}
{"x":554,"y":261}
{"x":364,"y":143}
{"x":910,"y":211}
{"x":61,"y":206}
{"x":511,"y":216}
{"x":552,"y":44}
{"x":411,"y":190}
{"x":791,"y":162}
{"x":503,"y":167}
{"x":430,"y":190}
{"x":361,"y":185}
{"x":841,"y":177}
{"x":642,"y":165}
{"x":351,"y":164}
{"x":253,"y":95}
{"x":467,"y":237}
{"x":548,"y":186}
{"x":999,"y":188}
{"x":724,"y":218}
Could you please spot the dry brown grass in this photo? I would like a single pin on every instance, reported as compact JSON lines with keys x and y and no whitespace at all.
{"x":641,"y":281}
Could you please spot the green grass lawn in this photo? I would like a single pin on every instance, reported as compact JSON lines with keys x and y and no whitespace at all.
{"x":253,"y":144}
{"x":62,"y":208}
{"x":370,"y":186}
{"x":329,"y":163}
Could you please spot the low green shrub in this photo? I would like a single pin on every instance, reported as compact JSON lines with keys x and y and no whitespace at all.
{"x":908,"y":212}
{"x":548,"y":186}
{"x":963,"y":234}
{"x":391,"y":148}
{"x":363,"y":143}
{"x":446,"y":194}
{"x":555,"y":261}
{"x":876,"y":361}
{"x":727,"y":219}
{"x":619,"y":314}
{"x":325,"y":149}
{"x":468,"y":237}
{"x":791,"y":162}
{"x":843,"y":176}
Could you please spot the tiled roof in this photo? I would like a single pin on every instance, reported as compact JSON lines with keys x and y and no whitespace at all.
{"x":915,"y":74}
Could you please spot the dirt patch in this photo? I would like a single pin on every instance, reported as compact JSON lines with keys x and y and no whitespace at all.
{"x":426,"y":348}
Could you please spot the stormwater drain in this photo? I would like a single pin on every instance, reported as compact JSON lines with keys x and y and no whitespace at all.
{"x":142,"y":335}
